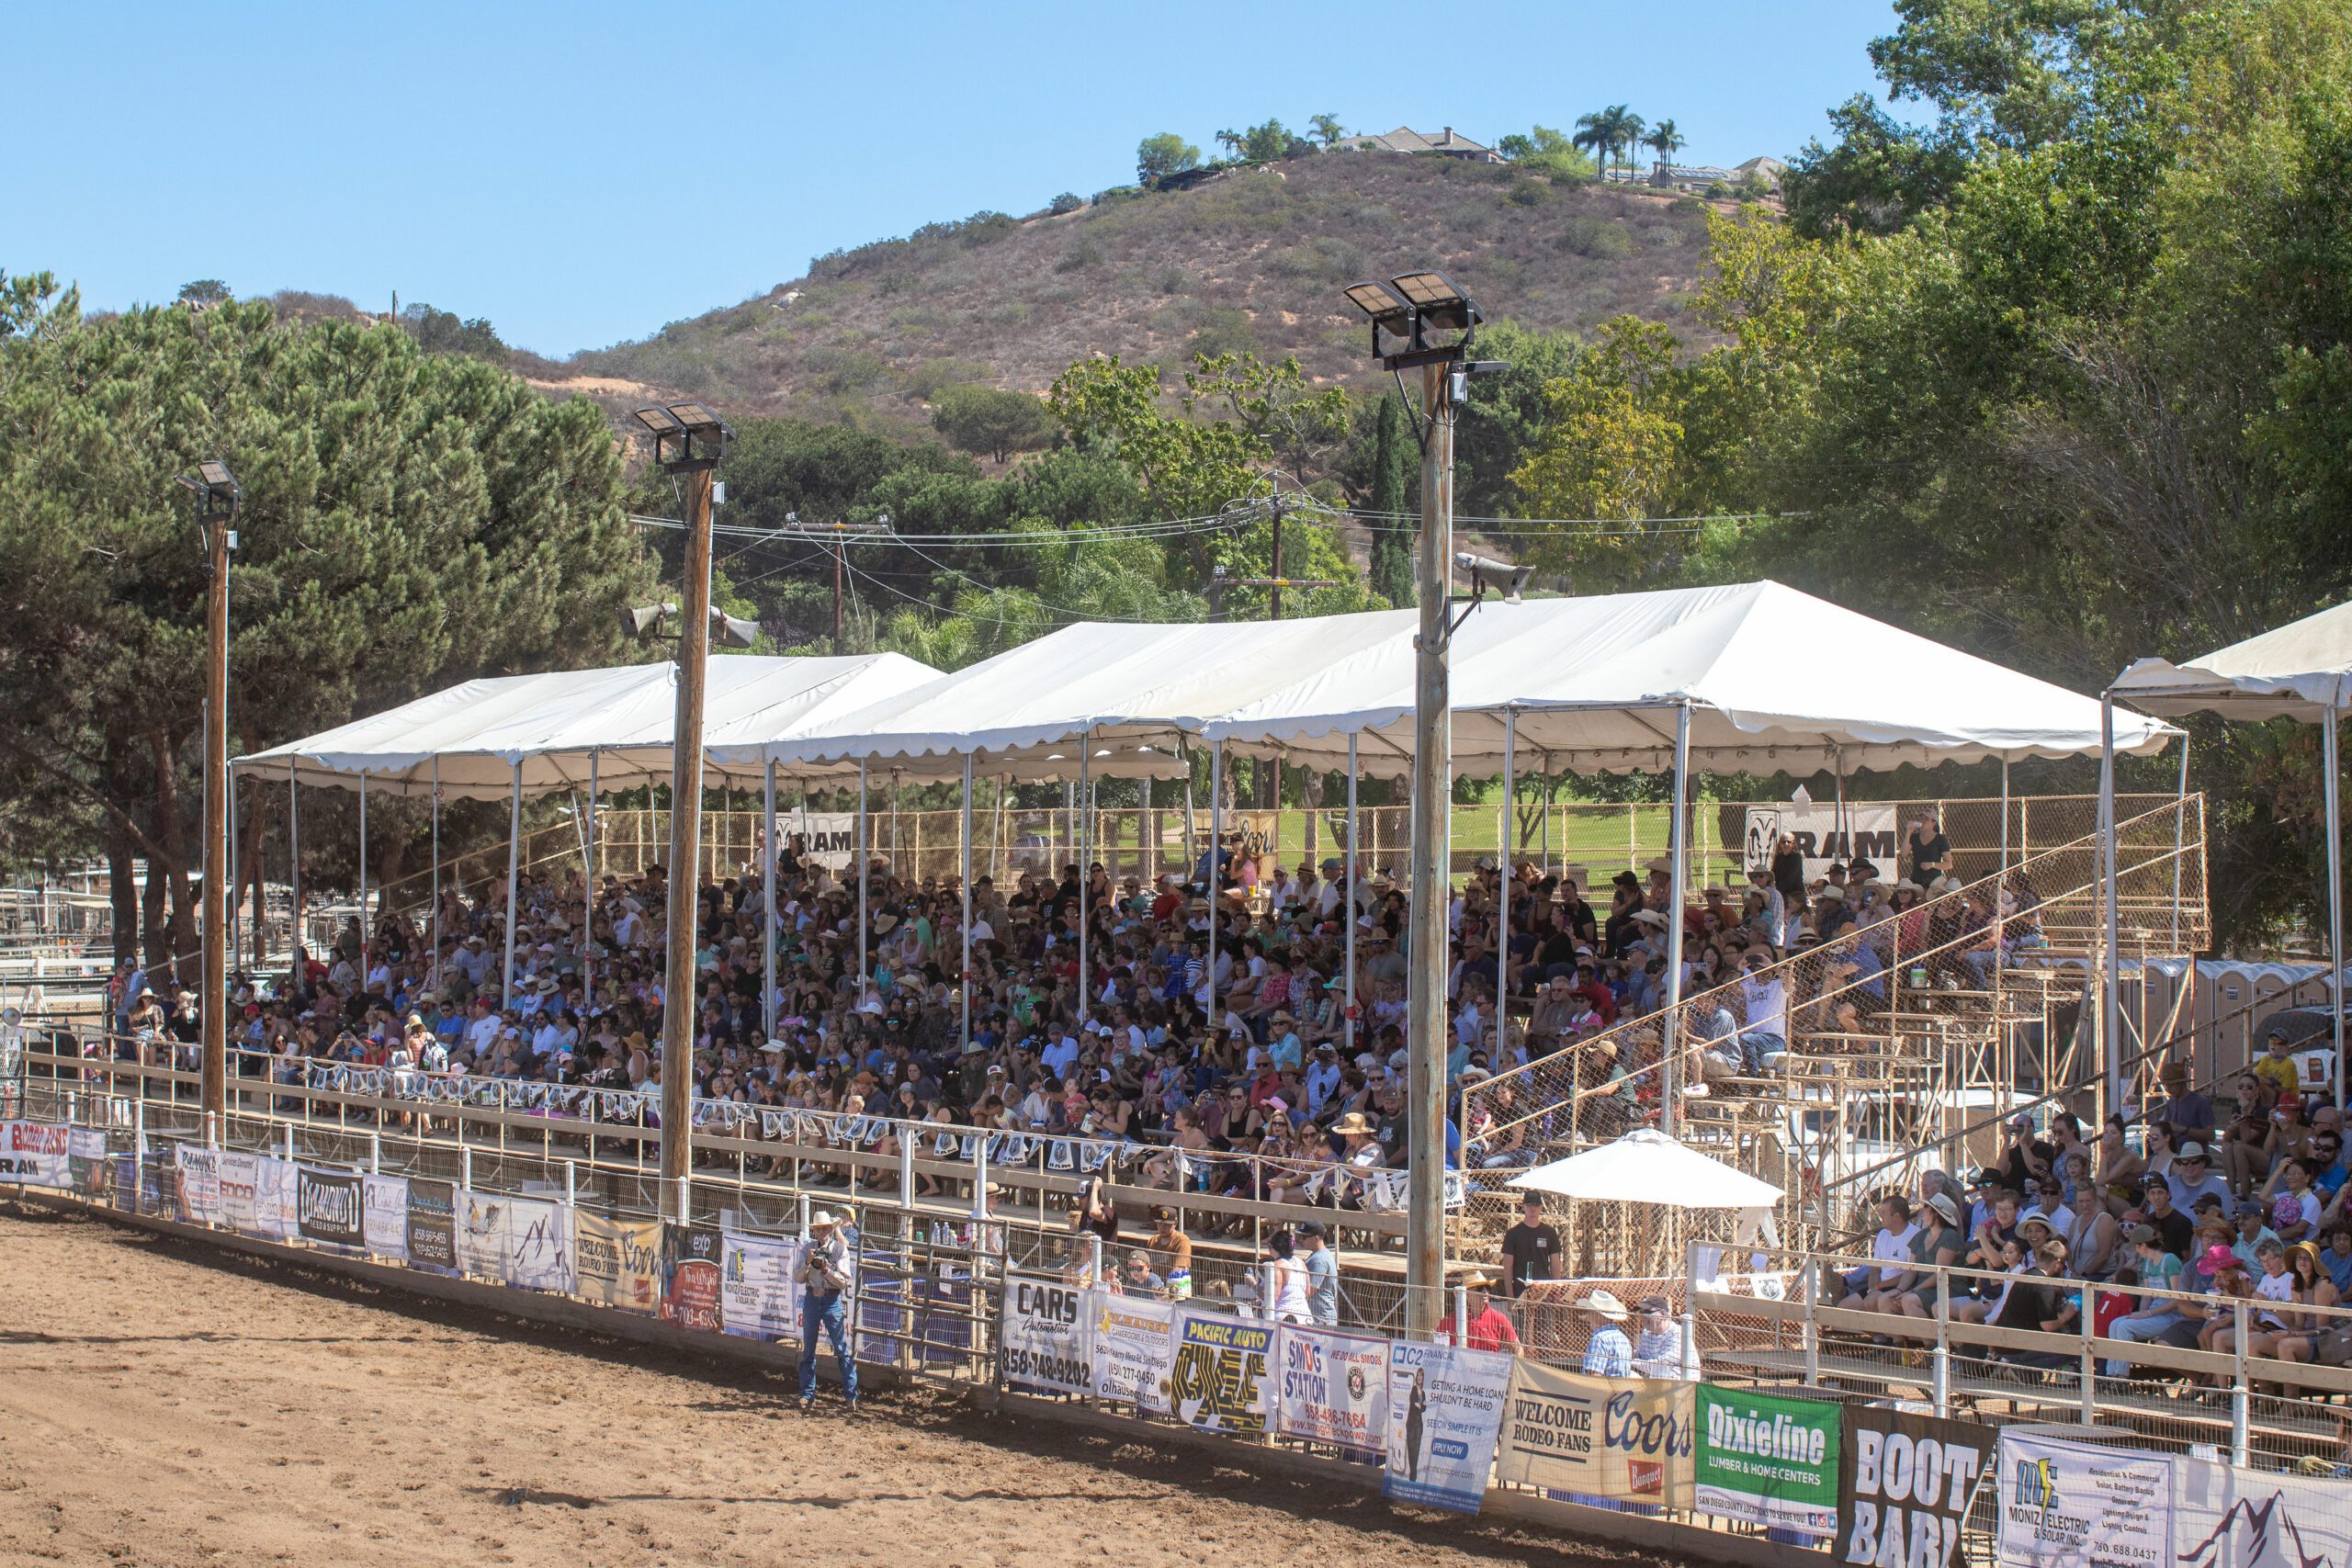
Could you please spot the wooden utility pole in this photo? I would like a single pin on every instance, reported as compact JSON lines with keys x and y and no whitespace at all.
{"x":218,"y":504}
{"x":685,"y":833}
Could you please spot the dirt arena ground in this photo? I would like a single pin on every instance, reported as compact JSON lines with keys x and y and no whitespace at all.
{"x":162,"y":1403}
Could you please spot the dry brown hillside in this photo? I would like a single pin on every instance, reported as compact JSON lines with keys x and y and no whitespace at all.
{"x":1253,"y":258}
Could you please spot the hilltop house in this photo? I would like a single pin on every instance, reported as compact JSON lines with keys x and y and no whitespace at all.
{"x":1447,"y":143}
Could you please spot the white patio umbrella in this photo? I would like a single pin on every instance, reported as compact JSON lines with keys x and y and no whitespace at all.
{"x":1645,"y":1166}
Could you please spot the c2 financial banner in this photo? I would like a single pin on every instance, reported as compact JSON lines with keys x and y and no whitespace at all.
{"x":2073,"y":1505}
{"x":1620,"y":1439}
{"x":1445,"y":1410}
{"x":1767,"y":1460}
{"x":1216,"y":1379}
{"x":1905,"y":1483}
{"x":1044,"y":1336}
{"x":619,"y":1262}
{"x":1331,"y":1387}
{"x":1130,"y":1350}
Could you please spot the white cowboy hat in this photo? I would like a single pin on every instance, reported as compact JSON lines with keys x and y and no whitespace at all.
{"x":822,"y":1220}
{"x":1606,"y":1305}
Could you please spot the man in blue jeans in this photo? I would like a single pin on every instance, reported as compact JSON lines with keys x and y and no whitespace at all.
{"x":825,"y":1274}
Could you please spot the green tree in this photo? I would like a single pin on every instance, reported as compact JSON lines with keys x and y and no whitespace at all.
{"x":1613,"y":449}
{"x":205,"y":293}
{"x":994,"y":423}
{"x":1328,"y":129}
{"x":1266,"y":142}
{"x":409,"y":520}
{"x":1157,"y":157}
{"x":1395,"y":490}
{"x":1231,"y":140}
{"x":1666,"y":142}
{"x":1608,"y":133}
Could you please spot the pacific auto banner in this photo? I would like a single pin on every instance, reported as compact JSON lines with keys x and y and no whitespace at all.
{"x":1216,"y":1375}
{"x":35,"y":1154}
{"x":1045,"y":1336}
{"x":1331,"y":1387}
{"x":383,"y":1220}
{"x":2074,"y":1505}
{"x":618,"y":1261}
{"x":1620,"y":1439}
{"x":1767,"y":1460}
{"x":1445,"y":1411}
{"x":1132,"y":1341}
{"x":1905,"y":1483}
{"x":759,"y":1290}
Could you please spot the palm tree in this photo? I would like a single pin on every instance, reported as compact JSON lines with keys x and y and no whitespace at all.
{"x":1327,"y":127}
{"x":1666,"y":142}
{"x":1629,"y":136}
{"x":1231,"y":141}
{"x":1609,"y":133}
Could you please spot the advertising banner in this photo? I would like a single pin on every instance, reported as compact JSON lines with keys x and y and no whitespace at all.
{"x":2226,"y":1518}
{"x":690,"y":1291}
{"x":1905,"y":1483}
{"x":327,"y":1208}
{"x":1331,"y":1388}
{"x":432,"y":1224}
{"x":197,"y":1173}
{"x":85,"y":1161}
{"x":537,"y":1254}
{"x":125,"y":1195}
{"x":1216,"y":1379}
{"x":1445,"y":1411}
{"x":481,"y":1235}
{"x":1870,"y":832}
{"x":34,"y":1153}
{"x":274,"y":1214}
{"x":758,"y":1295}
{"x":1045,"y":1336}
{"x":383,"y":1215}
{"x":1620,"y":1439}
{"x":1130,"y":1350}
{"x":618,"y":1261}
{"x":1767,"y":1460}
{"x":2073,"y":1505}
{"x":831,"y":835}
{"x":239,"y":1171}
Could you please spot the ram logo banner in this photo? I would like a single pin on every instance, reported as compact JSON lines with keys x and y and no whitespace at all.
{"x":1868,"y":834}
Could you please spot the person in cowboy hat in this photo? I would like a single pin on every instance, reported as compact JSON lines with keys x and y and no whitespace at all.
{"x":824,"y":1273}
{"x":1608,"y":1354}
{"x":1486,"y":1327}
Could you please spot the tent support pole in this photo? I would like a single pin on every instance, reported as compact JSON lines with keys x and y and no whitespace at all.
{"x":2111,"y":997}
{"x":434,"y":917}
{"x":863,"y":869}
{"x":2179,"y":839}
{"x":768,"y":861}
{"x":1210,"y":880}
{"x":2330,"y":754}
{"x":1085,"y":865}
{"x":2001,"y":940}
{"x":294,"y":874}
{"x":588,"y":900}
{"x":966,"y":983}
{"x":363,"y":882}
{"x":1502,"y":893}
{"x":1670,"y":1029}
{"x":1347,"y":873}
{"x":513,"y":880}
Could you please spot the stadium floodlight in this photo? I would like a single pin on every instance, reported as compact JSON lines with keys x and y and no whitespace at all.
{"x":1487,"y":574}
{"x":687,"y":437}
{"x":1390,"y":312}
{"x":1438,"y":303}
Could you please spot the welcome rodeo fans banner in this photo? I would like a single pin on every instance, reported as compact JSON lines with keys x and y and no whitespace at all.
{"x":1333,"y":1387}
{"x":1767,"y":1460}
{"x":1904,"y":1485}
{"x":619,"y":1262}
{"x":1615,"y":1439}
{"x":1445,"y":1409}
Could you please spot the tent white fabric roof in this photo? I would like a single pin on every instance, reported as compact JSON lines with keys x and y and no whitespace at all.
{"x":1138,"y":690}
{"x":2296,"y":670}
{"x":479,"y":730}
{"x":1776,"y":679}
{"x":1646,"y":1167}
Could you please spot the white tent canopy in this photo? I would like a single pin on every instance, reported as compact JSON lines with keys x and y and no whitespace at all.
{"x":1646,"y":1167}
{"x":2301,"y":671}
{"x":479,"y":731}
{"x":1775,"y":679}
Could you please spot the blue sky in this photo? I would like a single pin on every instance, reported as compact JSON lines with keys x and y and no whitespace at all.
{"x":581,"y":173}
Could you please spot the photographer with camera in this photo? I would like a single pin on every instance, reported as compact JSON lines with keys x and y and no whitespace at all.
{"x":824,"y":1275}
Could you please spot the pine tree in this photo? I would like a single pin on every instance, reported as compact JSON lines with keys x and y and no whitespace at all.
{"x":1393,"y":494}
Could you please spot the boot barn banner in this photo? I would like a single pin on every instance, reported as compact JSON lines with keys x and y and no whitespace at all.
{"x":1904,"y":1485}
{"x":1130,"y":1350}
{"x":2073,"y":1505}
{"x":1445,"y":1410}
{"x":1767,"y":1460}
{"x":1867,"y":833}
{"x":1618,"y":1439}
{"x":1333,"y":1388}
{"x":1216,"y":1380}
{"x":1044,"y":1336}
{"x":619,"y":1261}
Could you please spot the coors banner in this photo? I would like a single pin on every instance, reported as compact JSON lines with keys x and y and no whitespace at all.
{"x":1905,"y":1483}
{"x":327,"y":1208}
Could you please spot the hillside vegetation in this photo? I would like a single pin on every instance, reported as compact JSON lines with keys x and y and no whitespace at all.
{"x":1249,"y":261}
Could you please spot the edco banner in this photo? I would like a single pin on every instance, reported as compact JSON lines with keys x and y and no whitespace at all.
{"x":1767,"y":1460}
{"x":690,"y":1293}
{"x":1044,"y":1336}
{"x":618,"y":1261}
{"x":1905,"y":1483}
{"x":1332,"y":1388}
{"x":1445,"y":1410}
{"x":327,"y":1208}
{"x":1130,"y":1350}
{"x":1216,"y":1380}
{"x":1619,"y":1439}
